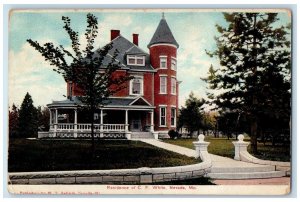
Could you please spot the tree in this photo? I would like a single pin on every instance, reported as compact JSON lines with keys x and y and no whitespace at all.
{"x":190,"y":116}
{"x":86,"y":67}
{"x":43,"y":118}
{"x":231,"y":122}
{"x":208,"y":122}
{"x":28,"y":120}
{"x":254,"y":56}
{"x":13,"y":121}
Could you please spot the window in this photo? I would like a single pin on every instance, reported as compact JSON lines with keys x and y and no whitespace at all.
{"x":163,"y":62}
{"x":173,"y":86}
{"x":173,"y":63}
{"x":162,"y":114}
{"x":163,"y":85}
{"x":140,"y":61}
{"x":131,"y":61}
{"x":136,"y":60}
{"x":136,"y":86}
{"x":173,"y":117}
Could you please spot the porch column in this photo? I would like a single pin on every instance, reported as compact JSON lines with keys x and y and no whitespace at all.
{"x":126,"y":120}
{"x":75,"y":123}
{"x":127,"y":132}
{"x":50,"y":121}
{"x":55,"y":123}
{"x":101,"y":123}
{"x":152,"y":122}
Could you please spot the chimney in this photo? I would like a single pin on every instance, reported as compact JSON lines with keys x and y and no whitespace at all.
{"x":114,"y":34}
{"x":135,"y":39}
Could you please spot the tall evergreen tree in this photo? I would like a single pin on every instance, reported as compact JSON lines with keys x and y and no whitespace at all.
{"x":254,"y":75}
{"x":86,"y":67}
{"x":28,"y":120}
{"x":13,"y":121}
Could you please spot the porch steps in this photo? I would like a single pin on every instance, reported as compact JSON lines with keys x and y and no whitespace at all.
{"x":142,"y":135}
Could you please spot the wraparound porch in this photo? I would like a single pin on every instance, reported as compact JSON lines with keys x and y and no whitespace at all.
{"x":119,"y":118}
{"x":108,"y":123}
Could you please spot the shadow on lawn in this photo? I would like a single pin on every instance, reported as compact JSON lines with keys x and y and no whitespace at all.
{"x":58,"y":155}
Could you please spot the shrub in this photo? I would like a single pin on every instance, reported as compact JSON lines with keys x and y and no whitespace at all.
{"x":173,"y":134}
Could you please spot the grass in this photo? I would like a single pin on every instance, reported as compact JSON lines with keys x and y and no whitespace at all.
{"x":224,"y":147}
{"x":54,"y":155}
{"x":276,"y":153}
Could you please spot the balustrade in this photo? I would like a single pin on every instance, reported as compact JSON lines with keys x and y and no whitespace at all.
{"x":87,"y":127}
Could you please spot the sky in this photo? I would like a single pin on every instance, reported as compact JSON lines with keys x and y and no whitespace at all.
{"x":194,"y":30}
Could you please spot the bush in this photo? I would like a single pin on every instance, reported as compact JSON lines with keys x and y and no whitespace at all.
{"x":174,"y":134}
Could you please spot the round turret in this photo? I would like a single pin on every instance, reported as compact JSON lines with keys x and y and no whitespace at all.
{"x":163,"y":58}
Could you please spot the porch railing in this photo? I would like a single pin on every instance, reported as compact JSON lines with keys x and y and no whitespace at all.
{"x":65,"y":126}
{"x":114,"y":127}
{"x":87,"y":127}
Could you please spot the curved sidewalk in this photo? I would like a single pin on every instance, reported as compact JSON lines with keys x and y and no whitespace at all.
{"x":217,"y":161}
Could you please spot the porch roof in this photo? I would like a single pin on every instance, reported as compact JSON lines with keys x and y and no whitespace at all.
{"x":112,"y":102}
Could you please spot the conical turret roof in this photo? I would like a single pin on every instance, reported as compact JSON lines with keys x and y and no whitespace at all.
{"x":163,"y":34}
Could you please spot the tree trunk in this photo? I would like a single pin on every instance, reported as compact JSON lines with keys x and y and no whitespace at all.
{"x":254,"y":135}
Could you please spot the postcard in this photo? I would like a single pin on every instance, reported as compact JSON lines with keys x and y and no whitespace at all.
{"x":149,"y":101}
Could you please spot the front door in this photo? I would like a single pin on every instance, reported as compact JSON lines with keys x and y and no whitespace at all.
{"x":136,"y":125}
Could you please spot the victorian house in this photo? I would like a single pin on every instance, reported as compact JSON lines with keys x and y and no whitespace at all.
{"x":146,"y":108}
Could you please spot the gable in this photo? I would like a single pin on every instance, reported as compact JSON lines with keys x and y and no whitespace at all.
{"x":140,"y":101}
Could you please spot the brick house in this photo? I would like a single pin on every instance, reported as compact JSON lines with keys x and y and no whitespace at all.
{"x":146,"y":108}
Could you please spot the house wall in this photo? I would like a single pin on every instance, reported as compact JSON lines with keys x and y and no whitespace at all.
{"x":124,"y":92}
{"x":76,"y":91}
{"x":148,"y":86}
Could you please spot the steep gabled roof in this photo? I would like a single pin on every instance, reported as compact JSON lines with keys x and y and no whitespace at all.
{"x":163,"y":34}
{"x":125,"y":47}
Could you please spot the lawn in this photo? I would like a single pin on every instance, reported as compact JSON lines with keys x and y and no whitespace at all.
{"x":53,"y":155}
{"x":224,"y":147}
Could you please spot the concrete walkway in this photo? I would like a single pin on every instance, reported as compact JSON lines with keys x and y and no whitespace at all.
{"x":223,"y":167}
{"x":217,"y":161}
{"x":170,"y":147}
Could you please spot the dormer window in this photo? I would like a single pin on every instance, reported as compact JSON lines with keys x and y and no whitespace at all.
{"x":136,"y":60}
